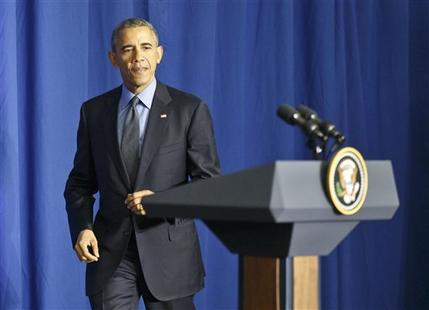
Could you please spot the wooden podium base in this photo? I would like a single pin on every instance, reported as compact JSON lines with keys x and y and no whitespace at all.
{"x":263,"y":283}
{"x":306,"y":282}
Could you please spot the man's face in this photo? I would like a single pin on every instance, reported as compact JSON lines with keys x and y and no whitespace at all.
{"x":136,"y":55}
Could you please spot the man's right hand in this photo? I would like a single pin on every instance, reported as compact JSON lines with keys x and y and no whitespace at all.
{"x":86,"y":240}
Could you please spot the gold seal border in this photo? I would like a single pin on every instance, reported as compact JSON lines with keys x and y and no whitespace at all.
{"x":331,"y":176}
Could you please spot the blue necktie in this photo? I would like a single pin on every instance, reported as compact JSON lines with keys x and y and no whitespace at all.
{"x":130,"y":140}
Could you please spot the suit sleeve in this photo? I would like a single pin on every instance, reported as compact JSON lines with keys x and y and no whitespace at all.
{"x":203,"y":161}
{"x":81,"y":184}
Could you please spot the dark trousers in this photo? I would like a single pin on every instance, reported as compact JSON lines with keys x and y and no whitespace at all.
{"x":124,"y":289}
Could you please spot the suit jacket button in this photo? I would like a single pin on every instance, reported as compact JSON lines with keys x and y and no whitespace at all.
{"x":125,"y":233}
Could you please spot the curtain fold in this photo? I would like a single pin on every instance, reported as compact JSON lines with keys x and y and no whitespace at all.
{"x":11,"y":283}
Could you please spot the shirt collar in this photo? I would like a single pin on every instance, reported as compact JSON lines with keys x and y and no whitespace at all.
{"x":146,"y":96}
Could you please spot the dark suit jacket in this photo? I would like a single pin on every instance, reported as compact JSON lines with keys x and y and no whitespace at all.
{"x":176,"y":148}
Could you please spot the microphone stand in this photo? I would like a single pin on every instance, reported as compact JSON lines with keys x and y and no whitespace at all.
{"x":316,"y":141}
{"x":320,"y":148}
{"x":317,"y":148}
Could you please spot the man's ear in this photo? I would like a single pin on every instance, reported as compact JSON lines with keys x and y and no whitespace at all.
{"x":112,"y":58}
{"x":160,"y":52}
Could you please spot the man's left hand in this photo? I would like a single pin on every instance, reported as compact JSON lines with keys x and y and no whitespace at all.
{"x":134,"y":201}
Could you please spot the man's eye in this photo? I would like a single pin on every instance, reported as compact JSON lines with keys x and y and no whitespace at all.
{"x":127,"y":50}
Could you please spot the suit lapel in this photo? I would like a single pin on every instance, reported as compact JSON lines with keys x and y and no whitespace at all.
{"x":111,"y":130}
{"x":154,"y":134}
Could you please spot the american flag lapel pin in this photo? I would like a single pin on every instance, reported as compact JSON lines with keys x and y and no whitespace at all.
{"x":163,"y":115}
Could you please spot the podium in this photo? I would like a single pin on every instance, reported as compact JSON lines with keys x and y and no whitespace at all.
{"x":272,"y":212}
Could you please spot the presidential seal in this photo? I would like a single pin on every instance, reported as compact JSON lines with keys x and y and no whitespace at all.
{"x":347,"y":183}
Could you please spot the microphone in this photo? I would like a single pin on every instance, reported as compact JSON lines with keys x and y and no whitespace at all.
{"x":326,"y":127}
{"x":293,"y":117}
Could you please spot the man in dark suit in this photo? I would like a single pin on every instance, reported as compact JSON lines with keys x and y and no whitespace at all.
{"x":139,"y":138}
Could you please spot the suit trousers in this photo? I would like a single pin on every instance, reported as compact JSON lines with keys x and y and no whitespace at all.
{"x":127,"y":284}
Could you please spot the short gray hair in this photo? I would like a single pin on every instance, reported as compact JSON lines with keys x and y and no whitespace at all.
{"x":132,"y":23}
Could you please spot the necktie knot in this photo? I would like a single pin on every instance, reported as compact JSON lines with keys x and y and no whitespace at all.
{"x":134,"y":101}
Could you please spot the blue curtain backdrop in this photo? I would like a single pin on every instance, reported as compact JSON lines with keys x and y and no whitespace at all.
{"x":362,"y":64}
